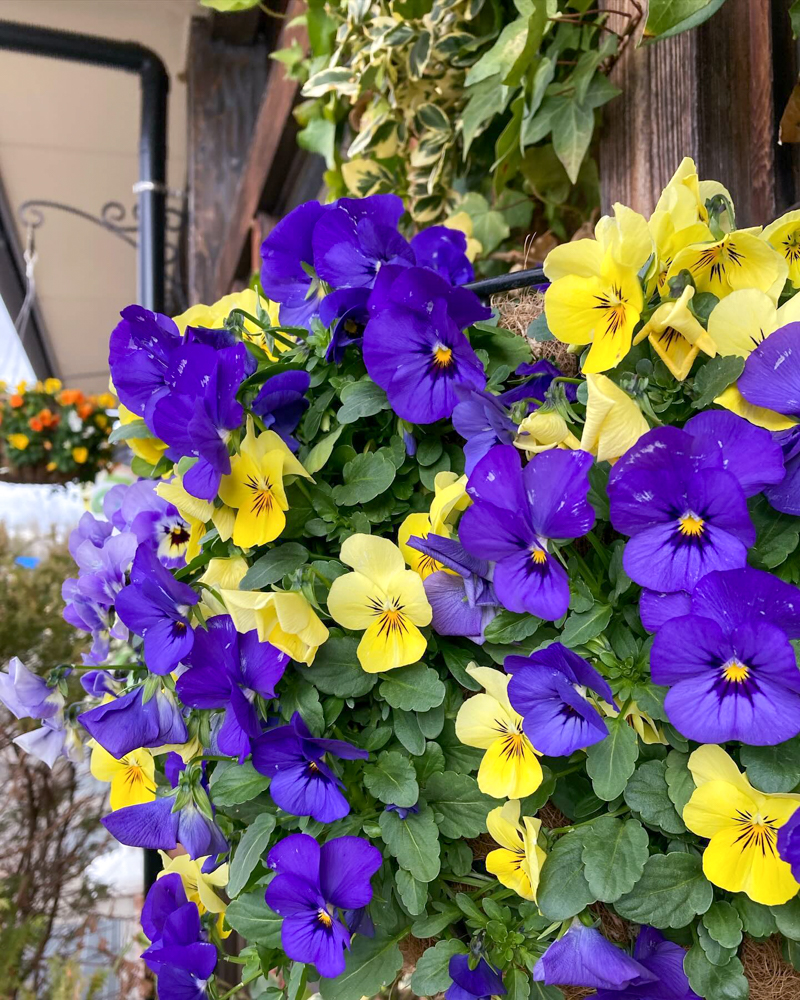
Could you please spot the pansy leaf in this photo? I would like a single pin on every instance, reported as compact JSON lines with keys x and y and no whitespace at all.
{"x":407,"y":730}
{"x":392,"y":779}
{"x":432,"y":924}
{"x":773,"y":769}
{"x":413,"y":689}
{"x":460,"y":806}
{"x":720,"y":982}
{"x":361,"y":399}
{"x":233,"y":783}
{"x":757,"y":920}
{"x":318,"y":456}
{"x":580,"y":628}
{"x":509,"y":626}
{"x":716,"y":953}
{"x":250,"y":916}
{"x":787,"y":918}
{"x":414,"y":841}
{"x":614,"y":855}
{"x":671,"y":891}
{"x":724,"y":924}
{"x":647,"y":794}
{"x":680,"y":783}
{"x":563,"y":889}
{"x":365,"y":477}
{"x":371,"y":964}
{"x":714,"y":378}
{"x":274,"y":565}
{"x":336,"y":669}
{"x":249,"y":852}
{"x":431,"y":975}
{"x":611,"y":762}
{"x":413,"y":892}
{"x":518,"y":985}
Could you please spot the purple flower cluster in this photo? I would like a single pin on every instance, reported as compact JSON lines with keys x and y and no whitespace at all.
{"x":347,"y":265}
{"x":28,"y":696}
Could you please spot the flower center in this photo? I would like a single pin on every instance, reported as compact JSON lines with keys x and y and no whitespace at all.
{"x":391,"y":616}
{"x":539,"y":556}
{"x":757,"y":831}
{"x":442,"y":356}
{"x":735,"y":672}
{"x":324,"y":918}
{"x":691,"y":525}
{"x":513,"y":745}
{"x":614,"y":305}
{"x":791,"y":246}
{"x":178,"y":536}
{"x":262,"y":495}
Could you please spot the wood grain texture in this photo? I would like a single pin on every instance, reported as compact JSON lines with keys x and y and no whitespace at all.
{"x":708,"y":94}
{"x":261,"y":153}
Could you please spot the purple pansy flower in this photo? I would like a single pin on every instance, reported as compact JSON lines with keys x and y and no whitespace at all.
{"x":156,"y":606}
{"x":445,"y":251}
{"x":195,"y":419}
{"x":771,"y":378}
{"x":26,"y":695}
{"x":517,"y":513}
{"x":48,"y":742}
{"x":685,"y":513}
{"x":130,"y":722}
{"x":403,"y":812}
{"x":656,"y":608}
{"x":153,"y":520}
{"x":729,"y":662}
{"x":89,"y":528}
{"x":463,"y":601}
{"x":302,"y":783}
{"x":414,"y":347}
{"x":98,"y":683}
{"x":358,"y":236}
{"x":583,"y":957}
{"x":314,"y":882}
{"x":140,"y":349}
{"x":548,"y":689}
{"x":747,"y":451}
{"x":283,"y":254}
{"x":788,"y":843}
{"x":537,"y":379}
{"x":178,"y":953}
{"x":348,"y":308}
{"x":479,"y":983}
{"x":227,"y":670}
{"x":482,"y":420}
{"x":281,"y":402}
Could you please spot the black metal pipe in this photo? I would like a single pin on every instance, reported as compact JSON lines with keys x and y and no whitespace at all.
{"x":151,"y":188}
{"x":487,"y":287}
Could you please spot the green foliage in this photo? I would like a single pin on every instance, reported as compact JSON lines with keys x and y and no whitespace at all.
{"x":671,"y":891}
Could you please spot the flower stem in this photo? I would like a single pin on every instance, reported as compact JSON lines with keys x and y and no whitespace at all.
{"x":241,"y":985}
{"x":271,"y":330}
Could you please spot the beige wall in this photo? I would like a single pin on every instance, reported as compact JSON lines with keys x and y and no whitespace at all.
{"x":69,"y":133}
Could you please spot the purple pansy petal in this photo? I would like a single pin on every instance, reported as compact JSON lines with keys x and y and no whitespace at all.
{"x":556,"y":483}
{"x":305,"y":939}
{"x":524,"y":584}
{"x":285,"y":250}
{"x":45,"y":743}
{"x":164,"y":897}
{"x":262,"y":664}
{"x":179,"y":984}
{"x":554,"y":714}
{"x":497,"y":479}
{"x":656,"y":608}
{"x":444,"y":250}
{"x":771,"y":375}
{"x":152,"y":825}
{"x":308,"y":789}
{"x":450,"y":553}
{"x":452,"y":614}
{"x":298,"y":854}
{"x":741,"y":595}
{"x":346,"y":866}
{"x":291,"y":895}
{"x":749,"y":452}
{"x":198,"y":834}
{"x":482,"y":981}
{"x":788,"y":843}
{"x":583,"y":957}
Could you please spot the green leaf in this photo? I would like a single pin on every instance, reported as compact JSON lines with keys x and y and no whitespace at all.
{"x":414,"y":841}
{"x":419,"y":56}
{"x":518,"y":984}
{"x":233,"y":783}
{"x":462,"y":805}
{"x":716,"y":953}
{"x":414,"y":689}
{"x":757,"y":919}
{"x":572,"y":133}
{"x":773,"y":769}
{"x":407,"y":730}
{"x":666,"y":18}
{"x":431,"y":761}
{"x":777,"y":535}
{"x":248,"y":854}
{"x":319,"y":136}
{"x":128,"y":432}
{"x":501,"y":57}
{"x":458,"y":757}
{"x":361,"y":399}
{"x":273,"y":566}
{"x":484,"y":100}
{"x":318,"y":456}
{"x":647,"y":794}
{"x":614,"y":855}
{"x":432,"y":924}
{"x":336,"y":669}
{"x":724,"y":924}
{"x":509,"y":626}
{"x":563,"y":889}
{"x":339,"y":78}
{"x":680,"y":784}
{"x":580,"y":628}
{"x":413,"y":892}
{"x":671,"y":891}
{"x":392,"y":779}
{"x":371,"y":964}
{"x":254,"y":920}
{"x":787,"y":918}
{"x":365,"y":477}
{"x":716,"y":982}
{"x":714,"y":378}
{"x":457,"y":659}
{"x":431,"y":975}
{"x":611,"y":762}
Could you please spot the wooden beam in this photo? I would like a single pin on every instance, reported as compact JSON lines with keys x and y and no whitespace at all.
{"x":273,"y":116}
{"x":707,"y":94}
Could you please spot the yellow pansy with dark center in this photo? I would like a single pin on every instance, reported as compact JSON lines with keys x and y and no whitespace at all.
{"x":442,"y":356}
{"x":262,"y":494}
{"x":615,"y":307}
{"x":514,"y":742}
{"x":757,"y":831}
{"x":735,"y":671}
{"x":391,"y":618}
{"x":691,"y":525}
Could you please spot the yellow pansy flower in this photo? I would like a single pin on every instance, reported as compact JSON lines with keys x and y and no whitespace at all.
{"x":676,"y":335}
{"x":284,"y":618}
{"x":741,"y":825}
{"x":517,"y":863}
{"x":739,"y":260}
{"x":18,"y":441}
{"x":255,"y":487}
{"x":225,"y":574}
{"x":132,"y":777}
{"x":80,"y":455}
{"x":737,"y":325}
{"x":450,"y":498}
{"x":783,"y":235}
{"x":614,"y":422}
{"x":213,"y":317}
{"x":544,"y":429}
{"x":198,"y":885}
{"x":149,"y":449}
{"x":382,"y":598}
{"x":510,"y":768}
{"x":52,"y":385}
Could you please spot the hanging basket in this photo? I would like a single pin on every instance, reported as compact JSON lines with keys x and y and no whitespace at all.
{"x":34,"y":474}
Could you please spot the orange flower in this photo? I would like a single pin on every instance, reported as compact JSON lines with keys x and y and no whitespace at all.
{"x":48,"y":419}
{"x":35,"y":424}
{"x":70,"y":396}
{"x":16,"y":401}
{"x":85,"y":410}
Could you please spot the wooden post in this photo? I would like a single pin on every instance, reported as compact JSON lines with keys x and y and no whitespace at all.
{"x":716,"y":94}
